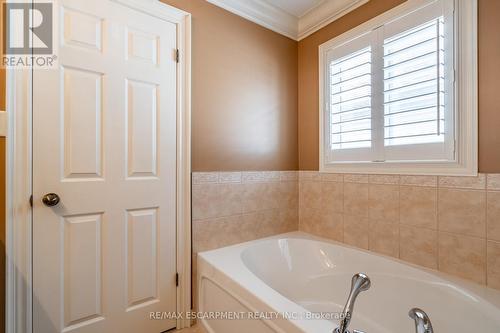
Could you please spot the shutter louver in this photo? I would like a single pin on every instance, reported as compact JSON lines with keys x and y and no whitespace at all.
{"x":414,"y":85}
{"x":350,"y":101}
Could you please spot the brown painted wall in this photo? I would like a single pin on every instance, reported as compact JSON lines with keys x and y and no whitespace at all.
{"x":244,"y":102}
{"x":489,"y":81}
{"x":489,"y":85}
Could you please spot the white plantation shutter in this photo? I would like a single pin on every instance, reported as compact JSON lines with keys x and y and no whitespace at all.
{"x":350,"y":100}
{"x":390,"y":91}
{"x":414,"y":85}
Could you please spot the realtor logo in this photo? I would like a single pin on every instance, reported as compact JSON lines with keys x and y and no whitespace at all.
{"x":29,"y":35}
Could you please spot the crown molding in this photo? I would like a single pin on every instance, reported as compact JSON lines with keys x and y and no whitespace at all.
{"x":277,"y":20}
{"x":324,"y":14}
{"x":262,"y":13}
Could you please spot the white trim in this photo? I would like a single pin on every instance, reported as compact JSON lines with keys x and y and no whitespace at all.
{"x":324,"y":14}
{"x":278,"y":20}
{"x":18,"y":307}
{"x":184,"y":172}
{"x":19,"y":182}
{"x":467,"y":100}
{"x":262,"y":13}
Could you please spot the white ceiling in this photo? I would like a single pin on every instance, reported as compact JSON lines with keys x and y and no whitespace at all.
{"x":296,"y":8}
{"x":296,"y":19}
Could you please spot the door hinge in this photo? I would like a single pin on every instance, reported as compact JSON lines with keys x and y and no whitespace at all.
{"x":176,"y":279}
{"x":177,"y":55}
{"x":31,"y":200}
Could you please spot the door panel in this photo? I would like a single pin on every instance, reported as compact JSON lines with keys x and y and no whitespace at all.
{"x":104,"y":140}
{"x":142,"y":256}
{"x":142,"y":121}
{"x":82,"y":123}
{"x":82,"y":268}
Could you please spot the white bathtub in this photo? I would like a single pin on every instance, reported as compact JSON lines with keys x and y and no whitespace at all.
{"x":280,"y":281}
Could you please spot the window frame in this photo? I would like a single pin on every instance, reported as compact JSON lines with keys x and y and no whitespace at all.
{"x":465,"y":96}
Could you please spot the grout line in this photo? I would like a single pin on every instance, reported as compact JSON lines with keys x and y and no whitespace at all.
{"x":399,"y":218}
{"x":486,"y":234}
{"x":436,"y":212}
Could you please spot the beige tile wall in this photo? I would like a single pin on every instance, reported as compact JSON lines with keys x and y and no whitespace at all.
{"x":233,"y":207}
{"x":447,"y":223}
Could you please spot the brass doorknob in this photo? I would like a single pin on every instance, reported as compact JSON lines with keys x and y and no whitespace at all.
{"x":51,"y":199}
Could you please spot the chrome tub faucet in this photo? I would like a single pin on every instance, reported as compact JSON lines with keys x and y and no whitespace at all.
{"x":360,"y":282}
{"x":422,"y":321}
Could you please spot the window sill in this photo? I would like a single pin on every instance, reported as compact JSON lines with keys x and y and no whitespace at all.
{"x":402,"y":168}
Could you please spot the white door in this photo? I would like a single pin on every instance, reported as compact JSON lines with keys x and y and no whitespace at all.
{"x":104,"y":140}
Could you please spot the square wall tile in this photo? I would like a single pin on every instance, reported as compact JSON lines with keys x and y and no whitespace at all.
{"x":418,"y":206}
{"x":463,"y":256}
{"x":356,"y":231}
{"x":493,"y":253}
{"x":288,"y":220}
{"x":462,"y":212}
{"x":418,"y":246}
{"x":267,"y":224}
{"x":493,"y":213}
{"x":384,"y":238}
{"x":288,"y":194}
{"x":270,"y":197}
{"x":332,"y":196}
{"x":356,"y":199}
{"x":229,"y":199}
{"x":204,"y":201}
{"x":309,"y":218}
{"x":214,"y":233}
{"x":310,"y":194}
{"x":384,"y":203}
{"x":331,"y":226}
{"x":493,"y":181}
{"x":252,"y":197}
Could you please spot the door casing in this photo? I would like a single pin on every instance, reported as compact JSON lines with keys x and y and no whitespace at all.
{"x":19,"y":177}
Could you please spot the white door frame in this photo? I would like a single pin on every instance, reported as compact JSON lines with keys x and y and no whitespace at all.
{"x":19,"y":177}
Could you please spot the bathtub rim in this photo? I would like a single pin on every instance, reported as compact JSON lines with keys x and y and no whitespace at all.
{"x":244,"y":278}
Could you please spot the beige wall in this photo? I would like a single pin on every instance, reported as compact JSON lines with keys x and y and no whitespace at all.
{"x":489,"y":81}
{"x":244,"y":93}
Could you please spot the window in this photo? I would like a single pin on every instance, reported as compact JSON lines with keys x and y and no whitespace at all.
{"x":392,"y":96}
